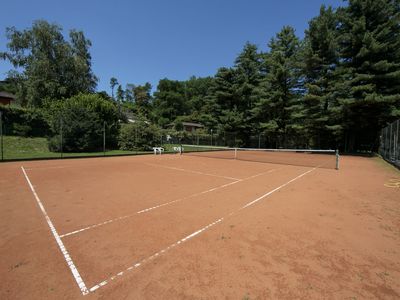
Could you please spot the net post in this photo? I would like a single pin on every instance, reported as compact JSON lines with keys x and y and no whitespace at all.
{"x":235,"y":153}
{"x":337,"y":159}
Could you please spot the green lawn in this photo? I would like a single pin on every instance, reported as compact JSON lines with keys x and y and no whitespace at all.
{"x":15,"y":147}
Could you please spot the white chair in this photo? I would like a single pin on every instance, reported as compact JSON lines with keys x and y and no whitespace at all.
{"x":158,"y":150}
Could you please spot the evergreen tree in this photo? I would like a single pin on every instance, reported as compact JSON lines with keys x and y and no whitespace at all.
{"x":278,"y":108}
{"x":369,"y":86}
{"x":226,"y":101}
{"x":247,"y":68}
{"x":320,"y":58}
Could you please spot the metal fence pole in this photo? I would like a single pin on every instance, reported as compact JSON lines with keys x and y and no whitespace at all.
{"x":104,"y":138}
{"x":1,"y":136}
{"x":390,"y":142}
{"x":61,"y":138}
{"x":397,"y":142}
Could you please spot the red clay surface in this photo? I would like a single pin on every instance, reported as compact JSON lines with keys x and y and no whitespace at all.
{"x":326,"y":234}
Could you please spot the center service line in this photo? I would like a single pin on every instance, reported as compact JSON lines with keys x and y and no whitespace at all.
{"x":163,"y":204}
{"x":194,"y":234}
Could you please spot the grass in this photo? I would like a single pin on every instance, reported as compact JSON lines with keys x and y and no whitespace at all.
{"x":16,"y":147}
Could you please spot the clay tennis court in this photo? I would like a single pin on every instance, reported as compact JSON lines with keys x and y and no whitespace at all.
{"x":185,"y":227}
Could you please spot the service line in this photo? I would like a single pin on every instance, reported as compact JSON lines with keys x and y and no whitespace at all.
{"x":191,"y":171}
{"x":164,"y":204}
{"x":63,"y":250}
{"x":45,"y":168}
{"x":194,"y":234}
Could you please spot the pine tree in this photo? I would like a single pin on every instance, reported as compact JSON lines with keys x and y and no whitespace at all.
{"x":247,"y":79}
{"x":279,"y":109}
{"x":369,"y":86}
{"x":226,"y":101}
{"x":320,"y":59}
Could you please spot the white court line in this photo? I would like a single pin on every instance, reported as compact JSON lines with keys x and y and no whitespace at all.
{"x":139,"y":263}
{"x":64,"y":251}
{"x":192,"y":235}
{"x":45,"y":168}
{"x":191,"y":171}
{"x":164,"y":204}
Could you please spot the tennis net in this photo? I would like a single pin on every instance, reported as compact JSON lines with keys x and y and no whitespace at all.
{"x":298,"y":157}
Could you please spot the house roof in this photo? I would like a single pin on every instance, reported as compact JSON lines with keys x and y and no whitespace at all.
{"x":192,"y":124}
{"x":7,"y":95}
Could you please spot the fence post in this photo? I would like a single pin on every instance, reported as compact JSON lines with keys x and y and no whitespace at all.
{"x":104,"y":138}
{"x":259,"y":140}
{"x":1,"y":135}
{"x":61,"y":138}
{"x":397,"y":157}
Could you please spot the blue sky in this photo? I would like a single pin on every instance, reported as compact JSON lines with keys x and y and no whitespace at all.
{"x":144,"y":41}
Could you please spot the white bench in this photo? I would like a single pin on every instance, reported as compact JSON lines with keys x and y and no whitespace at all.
{"x":158,"y":150}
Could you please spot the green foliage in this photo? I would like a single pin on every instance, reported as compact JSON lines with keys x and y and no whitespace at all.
{"x":81,"y":120}
{"x":113,"y":84}
{"x":279,"y":108}
{"x":320,"y":59}
{"x":141,"y":99}
{"x":17,"y":147}
{"x":26,"y":122}
{"x":169,"y":101}
{"x":368,"y":84}
{"x":51,"y":67}
{"x":140,"y":136}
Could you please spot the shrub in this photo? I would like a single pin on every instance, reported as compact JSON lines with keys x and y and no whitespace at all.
{"x":80,"y":119}
{"x":139,"y":136}
{"x":25,"y":122}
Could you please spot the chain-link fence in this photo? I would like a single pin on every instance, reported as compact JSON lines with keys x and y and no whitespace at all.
{"x":29,"y":136}
{"x":223,"y":138}
{"x":390,"y":143}
{"x":25,"y":139}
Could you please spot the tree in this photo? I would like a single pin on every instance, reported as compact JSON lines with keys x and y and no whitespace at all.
{"x":51,"y":67}
{"x":369,"y":75}
{"x":169,"y":101}
{"x":142,"y":98}
{"x":120,"y":94}
{"x":279,"y":107}
{"x":139,"y":136}
{"x":81,"y":119}
{"x":248,"y":74}
{"x":320,"y":59}
{"x":113,"y":84}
